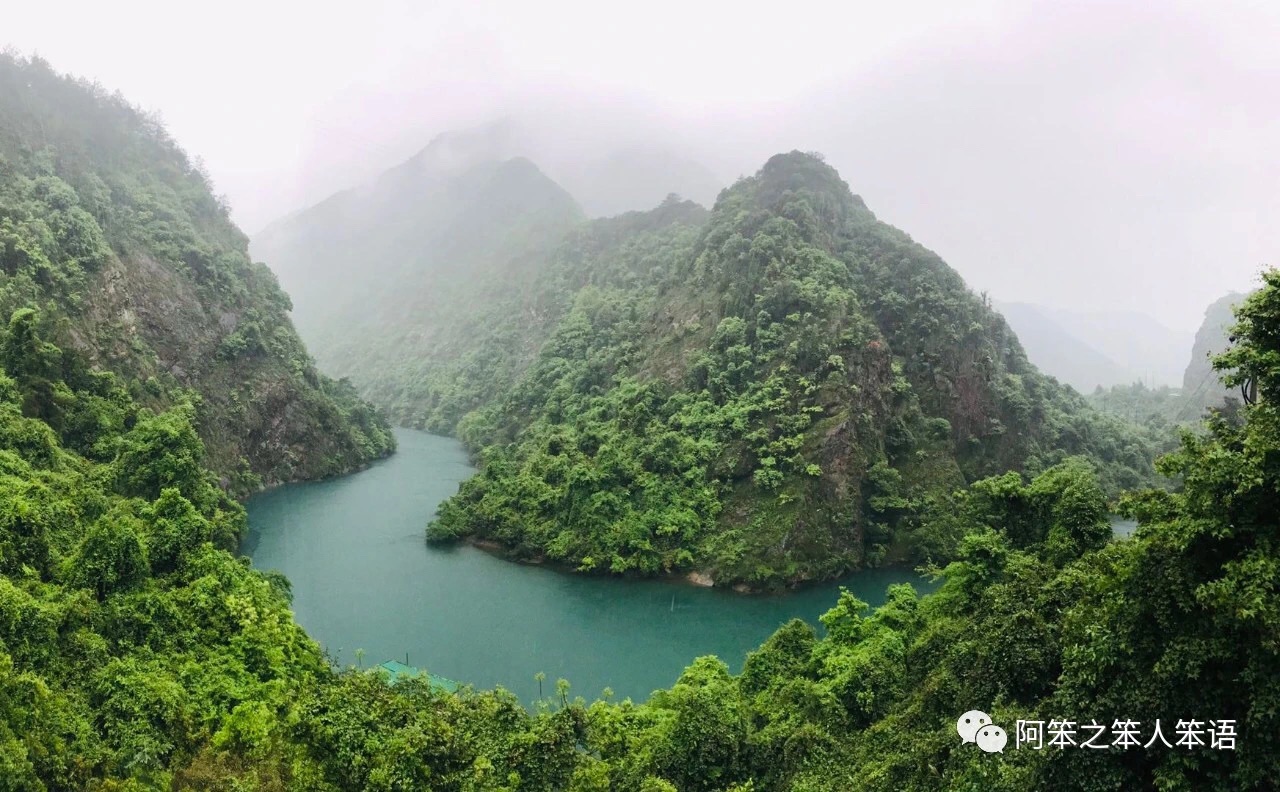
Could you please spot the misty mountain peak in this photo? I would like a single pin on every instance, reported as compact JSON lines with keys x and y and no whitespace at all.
{"x":807,"y":173}
{"x":458,"y":205}
{"x":460,"y":150}
{"x":799,"y":187}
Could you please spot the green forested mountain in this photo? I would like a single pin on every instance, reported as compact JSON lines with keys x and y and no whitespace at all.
{"x":775,"y":391}
{"x":133,"y":269}
{"x":138,"y":653}
{"x":385,"y":277}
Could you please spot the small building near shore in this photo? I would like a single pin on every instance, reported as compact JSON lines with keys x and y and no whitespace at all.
{"x":397,"y":671}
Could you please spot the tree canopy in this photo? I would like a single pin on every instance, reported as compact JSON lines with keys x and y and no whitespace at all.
{"x":781,"y":391}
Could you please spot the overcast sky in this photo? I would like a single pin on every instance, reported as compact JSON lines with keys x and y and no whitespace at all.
{"x":1071,"y":154}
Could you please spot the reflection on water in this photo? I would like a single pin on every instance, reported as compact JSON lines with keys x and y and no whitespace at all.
{"x":1122,"y":527}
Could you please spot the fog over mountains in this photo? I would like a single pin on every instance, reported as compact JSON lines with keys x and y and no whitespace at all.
{"x":1092,"y":157}
{"x":515,"y":179}
{"x":688,"y":293}
{"x":1087,"y":349}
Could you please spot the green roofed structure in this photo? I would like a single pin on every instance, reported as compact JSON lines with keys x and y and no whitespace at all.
{"x":399,"y":671}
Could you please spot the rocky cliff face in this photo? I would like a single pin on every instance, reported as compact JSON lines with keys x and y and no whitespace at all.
{"x":774,"y":391}
{"x":109,"y":230}
{"x":1201,"y":386}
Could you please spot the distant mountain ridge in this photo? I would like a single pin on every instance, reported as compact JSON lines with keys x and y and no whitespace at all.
{"x":604,"y":178}
{"x":637,"y":178}
{"x":1087,"y":349}
{"x":385,"y":274}
{"x":1056,"y":351}
{"x":1154,"y":352}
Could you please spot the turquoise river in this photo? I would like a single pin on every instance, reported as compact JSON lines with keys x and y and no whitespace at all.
{"x":364,"y":578}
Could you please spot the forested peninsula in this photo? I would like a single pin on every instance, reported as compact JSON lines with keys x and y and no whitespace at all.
{"x":776,"y":389}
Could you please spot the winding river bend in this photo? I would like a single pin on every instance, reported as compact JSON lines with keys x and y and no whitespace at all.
{"x":364,"y":578}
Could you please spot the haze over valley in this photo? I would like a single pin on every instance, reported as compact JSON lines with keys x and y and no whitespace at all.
{"x":1071,"y":157}
{"x":678,"y":398}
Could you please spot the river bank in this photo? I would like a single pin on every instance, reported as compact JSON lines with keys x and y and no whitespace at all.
{"x":364,"y":577}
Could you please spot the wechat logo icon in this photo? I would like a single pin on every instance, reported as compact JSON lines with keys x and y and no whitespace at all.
{"x":992,"y":739}
{"x":975,"y":726}
{"x":969,"y":723}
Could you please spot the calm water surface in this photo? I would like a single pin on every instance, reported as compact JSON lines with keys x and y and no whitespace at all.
{"x":363,"y":577}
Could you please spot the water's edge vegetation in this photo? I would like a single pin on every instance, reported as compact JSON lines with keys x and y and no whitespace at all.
{"x":363,"y":579}
{"x":150,"y":375}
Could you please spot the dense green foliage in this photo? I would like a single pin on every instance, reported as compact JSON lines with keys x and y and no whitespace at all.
{"x":1161,"y":414}
{"x":115,"y":236}
{"x":1156,"y":408}
{"x":137,"y":654}
{"x":779,"y":391}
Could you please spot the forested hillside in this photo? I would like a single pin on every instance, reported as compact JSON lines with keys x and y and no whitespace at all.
{"x":113,"y":247}
{"x":781,"y":390}
{"x":137,"y":653}
{"x":785,"y":356}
